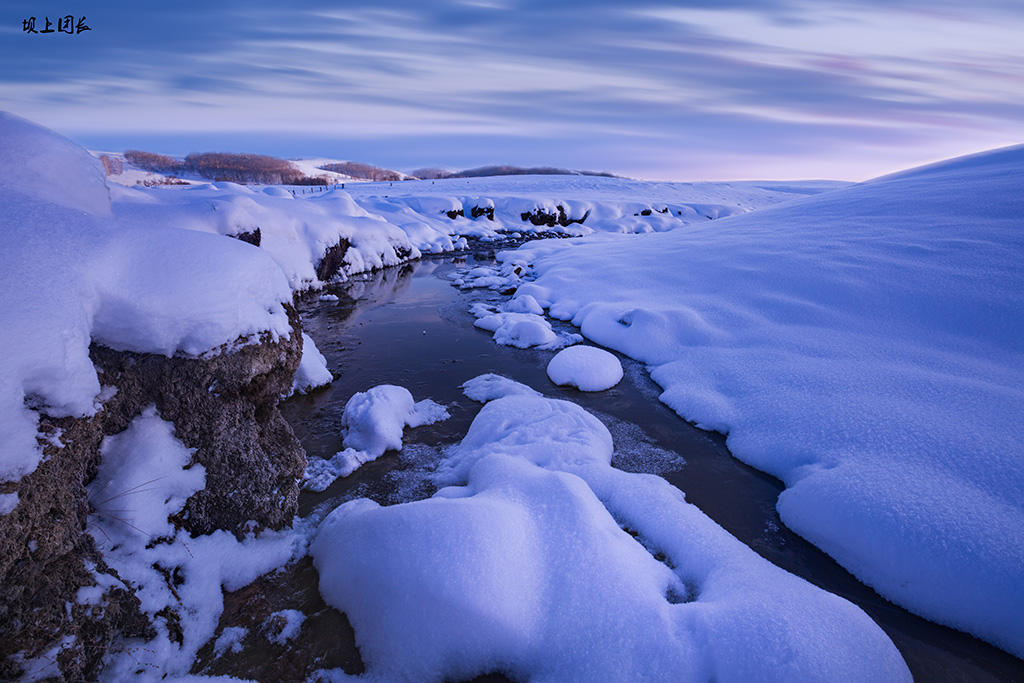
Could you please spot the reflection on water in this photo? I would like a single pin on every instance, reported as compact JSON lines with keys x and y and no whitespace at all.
{"x":408,"y":326}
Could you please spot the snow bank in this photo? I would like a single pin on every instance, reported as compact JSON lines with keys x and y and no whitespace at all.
{"x":485,"y":208}
{"x":373,"y":421}
{"x":585,"y":367}
{"x":69,"y":275}
{"x":542,"y":562}
{"x":865,"y":347}
{"x":296,"y":231}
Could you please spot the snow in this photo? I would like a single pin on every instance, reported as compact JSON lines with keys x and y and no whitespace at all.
{"x":863,"y":346}
{"x":373,"y":421}
{"x":312,"y":372}
{"x":230,"y":640}
{"x":540,"y":561}
{"x":484,"y":388}
{"x":145,"y":475}
{"x":295,"y":230}
{"x":8,"y":501}
{"x":71,"y":274}
{"x":288,"y":623}
{"x":585,"y":367}
{"x":522,"y":330}
{"x":613,"y":205}
{"x":133,"y":495}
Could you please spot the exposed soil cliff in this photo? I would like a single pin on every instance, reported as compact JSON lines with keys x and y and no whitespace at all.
{"x":224,"y":406}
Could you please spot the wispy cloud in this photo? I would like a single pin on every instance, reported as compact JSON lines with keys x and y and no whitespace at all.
{"x":666,"y":88}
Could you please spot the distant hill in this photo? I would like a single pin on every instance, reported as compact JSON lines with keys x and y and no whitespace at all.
{"x":361,"y":171}
{"x":268,"y":170}
{"x":484,"y":171}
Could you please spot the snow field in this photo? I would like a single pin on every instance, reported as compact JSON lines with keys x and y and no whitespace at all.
{"x":539,"y":560}
{"x":863,"y":346}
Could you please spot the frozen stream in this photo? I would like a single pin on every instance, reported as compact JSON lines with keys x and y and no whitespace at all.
{"x":408,"y":326}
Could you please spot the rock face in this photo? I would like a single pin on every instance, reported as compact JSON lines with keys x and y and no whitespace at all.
{"x":332,"y":260}
{"x":541,"y":217}
{"x":46,"y":556}
{"x":224,"y":406}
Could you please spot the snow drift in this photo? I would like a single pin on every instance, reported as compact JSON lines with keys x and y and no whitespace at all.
{"x":865,"y":346}
{"x":541,"y":561}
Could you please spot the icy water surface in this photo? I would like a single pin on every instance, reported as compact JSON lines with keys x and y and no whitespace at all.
{"x":408,"y":326}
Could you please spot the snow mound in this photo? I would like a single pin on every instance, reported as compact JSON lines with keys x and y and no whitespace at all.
{"x":866,"y":347}
{"x":585,"y":367}
{"x":312,"y":372}
{"x":488,"y":387}
{"x":373,"y":421}
{"x":589,"y":574}
{"x":517,"y":422}
{"x":521,"y":330}
{"x":44,"y":166}
{"x":298,"y":232}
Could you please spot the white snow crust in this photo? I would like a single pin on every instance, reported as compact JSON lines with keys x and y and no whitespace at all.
{"x":866,"y":347}
{"x":523,"y":565}
{"x":585,"y":367}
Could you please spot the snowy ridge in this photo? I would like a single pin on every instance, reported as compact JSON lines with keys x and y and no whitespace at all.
{"x":864,"y":346}
{"x":567,"y":205}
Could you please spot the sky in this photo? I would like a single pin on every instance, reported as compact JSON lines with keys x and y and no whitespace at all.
{"x":686,"y":90}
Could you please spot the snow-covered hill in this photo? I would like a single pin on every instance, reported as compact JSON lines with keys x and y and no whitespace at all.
{"x":866,"y":347}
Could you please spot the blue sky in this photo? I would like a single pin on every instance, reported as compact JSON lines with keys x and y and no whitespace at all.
{"x":688,"y":90}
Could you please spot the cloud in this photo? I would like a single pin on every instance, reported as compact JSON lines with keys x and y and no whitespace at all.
{"x":768,"y":76}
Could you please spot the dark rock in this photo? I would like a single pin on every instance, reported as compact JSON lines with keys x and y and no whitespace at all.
{"x":45,"y":557}
{"x":253,"y":237}
{"x":478,"y":211}
{"x":225,"y":407}
{"x":541,"y":217}
{"x":455,"y":213}
{"x":332,"y":260}
{"x":325,"y":641}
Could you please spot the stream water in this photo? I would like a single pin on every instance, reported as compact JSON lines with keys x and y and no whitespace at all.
{"x":409,"y":326}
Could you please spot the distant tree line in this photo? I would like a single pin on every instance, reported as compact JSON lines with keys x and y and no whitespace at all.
{"x":111,"y":165}
{"x":227,"y":166}
{"x":485,"y":171}
{"x":356,"y":169}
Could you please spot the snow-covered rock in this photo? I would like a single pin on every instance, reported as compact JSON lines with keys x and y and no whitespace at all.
{"x":374,"y":421}
{"x":541,"y":561}
{"x":585,"y":367}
